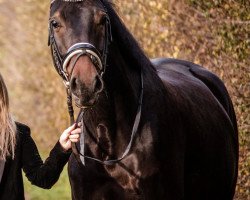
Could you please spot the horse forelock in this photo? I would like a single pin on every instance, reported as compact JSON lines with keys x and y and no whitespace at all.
{"x":72,"y":1}
{"x":56,"y":4}
{"x":52,"y":1}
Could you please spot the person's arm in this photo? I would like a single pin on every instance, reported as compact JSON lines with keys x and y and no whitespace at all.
{"x":46,"y":174}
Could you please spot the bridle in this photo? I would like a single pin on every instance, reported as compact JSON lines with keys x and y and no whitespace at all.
{"x":100,"y":61}
{"x":83,"y":48}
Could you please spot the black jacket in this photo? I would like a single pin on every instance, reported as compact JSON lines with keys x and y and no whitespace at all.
{"x":44,"y":175}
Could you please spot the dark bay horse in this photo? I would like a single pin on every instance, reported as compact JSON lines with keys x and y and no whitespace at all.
{"x":159,"y":129}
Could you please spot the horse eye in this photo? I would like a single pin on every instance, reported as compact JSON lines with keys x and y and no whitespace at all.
{"x":55,"y":24}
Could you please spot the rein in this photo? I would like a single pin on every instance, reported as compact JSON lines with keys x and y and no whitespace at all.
{"x":99,"y":60}
{"x":132,"y":137}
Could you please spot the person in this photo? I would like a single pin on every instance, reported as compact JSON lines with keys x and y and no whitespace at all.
{"x":18,"y":151}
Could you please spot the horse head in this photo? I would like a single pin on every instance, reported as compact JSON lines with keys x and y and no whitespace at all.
{"x":79,"y":36}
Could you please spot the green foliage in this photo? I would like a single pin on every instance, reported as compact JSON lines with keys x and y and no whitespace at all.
{"x":235,"y":40}
{"x":233,"y":10}
{"x":231,"y":19}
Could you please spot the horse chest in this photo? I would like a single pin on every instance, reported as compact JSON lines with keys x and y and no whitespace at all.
{"x":120,"y":180}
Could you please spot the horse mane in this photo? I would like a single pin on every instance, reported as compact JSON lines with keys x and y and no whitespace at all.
{"x":127,"y":43}
{"x":136,"y":57}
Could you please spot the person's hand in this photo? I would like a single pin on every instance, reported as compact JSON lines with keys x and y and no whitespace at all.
{"x":71,"y":134}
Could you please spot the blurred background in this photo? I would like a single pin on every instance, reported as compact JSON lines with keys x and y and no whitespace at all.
{"x":213,"y":33}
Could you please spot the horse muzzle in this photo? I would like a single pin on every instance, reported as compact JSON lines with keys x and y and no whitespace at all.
{"x":85,"y":95}
{"x":84,"y":69}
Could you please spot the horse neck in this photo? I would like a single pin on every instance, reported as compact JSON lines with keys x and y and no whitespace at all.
{"x":116,"y":108}
{"x":126,"y":60}
{"x":113,"y":117}
{"x":123,"y":80}
{"x":117,"y":105}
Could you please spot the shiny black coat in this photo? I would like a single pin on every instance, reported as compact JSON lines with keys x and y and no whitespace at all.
{"x":186,"y":146}
{"x":43,"y":175}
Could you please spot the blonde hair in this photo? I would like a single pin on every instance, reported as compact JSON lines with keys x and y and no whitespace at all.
{"x":7,"y":125}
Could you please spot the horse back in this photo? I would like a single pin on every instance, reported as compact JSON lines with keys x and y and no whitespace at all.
{"x":213,"y":82}
{"x":190,"y":84}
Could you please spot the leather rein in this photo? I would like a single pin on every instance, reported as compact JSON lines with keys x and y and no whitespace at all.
{"x":99,"y":60}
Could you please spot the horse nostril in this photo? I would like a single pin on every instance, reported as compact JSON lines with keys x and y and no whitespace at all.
{"x":98,"y":86}
{"x":73,"y":84}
